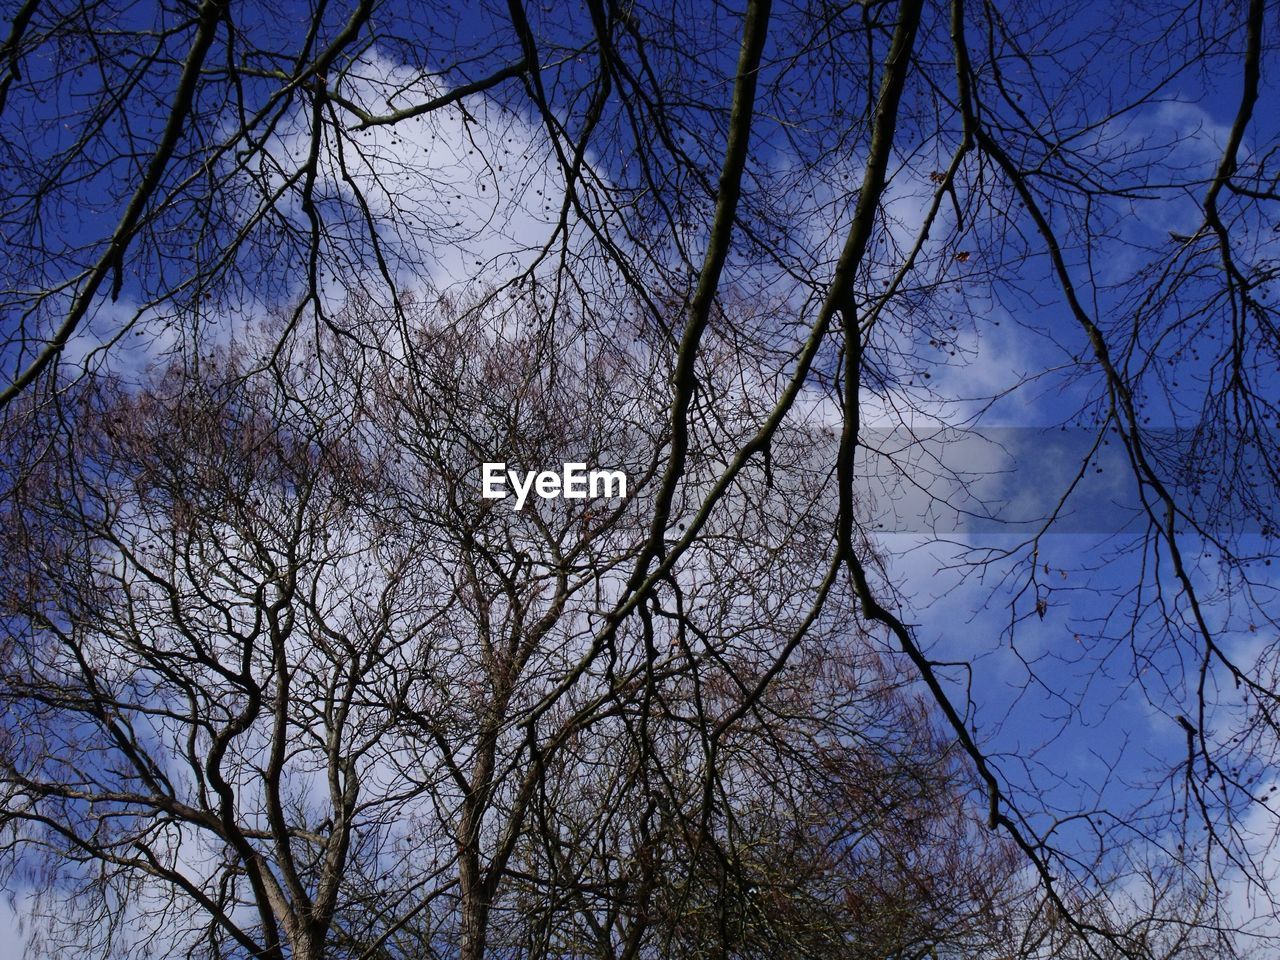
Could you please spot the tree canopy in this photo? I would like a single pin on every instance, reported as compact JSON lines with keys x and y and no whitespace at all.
{"x":938,"y":347}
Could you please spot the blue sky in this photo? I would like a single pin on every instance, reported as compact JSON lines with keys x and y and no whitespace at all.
{"x":1078,"y":700}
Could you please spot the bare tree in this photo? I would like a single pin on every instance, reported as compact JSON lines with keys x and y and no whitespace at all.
{"x":276,"y":287}
{"x":296,"y":691}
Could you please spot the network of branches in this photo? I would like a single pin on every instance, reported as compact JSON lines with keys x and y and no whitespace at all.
{"x":277,"y":682}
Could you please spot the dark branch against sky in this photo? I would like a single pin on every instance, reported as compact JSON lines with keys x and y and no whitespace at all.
{"x":937,"y":344}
